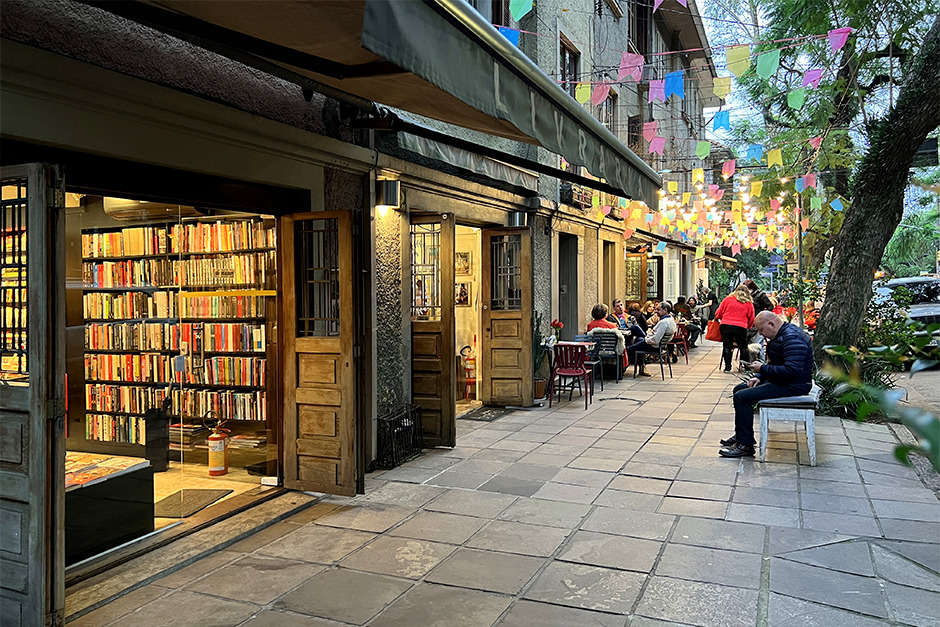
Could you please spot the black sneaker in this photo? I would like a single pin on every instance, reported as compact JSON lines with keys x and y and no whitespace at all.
{"x":729,"y":442}
{"x":737,"y":450}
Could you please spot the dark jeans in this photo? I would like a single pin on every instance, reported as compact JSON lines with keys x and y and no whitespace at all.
{"x":731,"y":336}
{"x":694,"y":332}
{"x":745,"y":398}
{"x":635,"y":331}
{"x":639,"y":346}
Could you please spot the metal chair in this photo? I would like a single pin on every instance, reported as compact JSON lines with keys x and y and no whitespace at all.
{"x":661,"y":353}
{"x":607,"y":349}
{"x":681,"y":340}
{"x":569,"y":362}
{"x":593,"y":359}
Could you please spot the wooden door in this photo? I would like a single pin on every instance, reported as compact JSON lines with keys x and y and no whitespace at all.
{"x":319,"y":371}
{"x":506,"y":303}
{"x":32,"y":393}
{"x":433,"y":362}
{"x":636,"y":278}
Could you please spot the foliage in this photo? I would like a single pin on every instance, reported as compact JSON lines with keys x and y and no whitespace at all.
{"x":848,"y":382}
{"x":914,"y":245}
{"x":873,"y":376}
{"x":885,"y":321}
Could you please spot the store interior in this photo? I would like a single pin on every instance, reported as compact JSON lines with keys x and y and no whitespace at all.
{"x":467,"y":316}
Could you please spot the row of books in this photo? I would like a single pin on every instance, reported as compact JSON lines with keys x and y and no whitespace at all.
{"x":247,"y":371}
{"x":128,"y":305}
{"x":233,"y":270}
{"x":159,"y":368}
{"x":107,"y":428}
{"x":13,"y":295}
{"x":130,"y":399}
{"x":144,"y":240}
{"x":223,"y":307}
{"x":216,"y":337}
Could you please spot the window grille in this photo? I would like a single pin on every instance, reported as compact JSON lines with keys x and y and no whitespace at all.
{"x":507,"y":273}
{"x":14,"y":342}
{"x":316,"y":244}
{"x":634,"y":279}
{"x":426,"y":271}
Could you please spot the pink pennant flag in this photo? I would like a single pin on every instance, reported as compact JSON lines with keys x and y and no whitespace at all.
{"x":649,"y":130}
{"x":657,"y":145}
{"x":735,"y":250}
{"x":657,"y":91}
{"x":712,"y":189}
{"x":684,"y":3}
{"x":838,"y":37}
{"x":775,"y":204}
{"x":729,"y":216}
{"x":600,"y":94}
{"x":628,"y":233}
{"x":811,"y":77}
{"x":656,"y":4}
{"x":631,"y":65}
{"x":719,"y":194}
{"x":804,"y":224}
{"x":771,"y":215}
{"x":728,"y":167}
{"x":815,"y":142}
{"x":810,"y":180}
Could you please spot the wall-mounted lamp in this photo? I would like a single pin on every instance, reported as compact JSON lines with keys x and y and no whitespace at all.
{"x":387,"y":195}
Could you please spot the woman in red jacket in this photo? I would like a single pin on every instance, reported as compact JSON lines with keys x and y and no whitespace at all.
{"x":736,"y":316}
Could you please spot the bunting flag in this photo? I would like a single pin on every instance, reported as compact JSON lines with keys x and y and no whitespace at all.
{"x":631,"y":65}
{"x":796,"y":98}
{"x":738,"y":59}
{"x":721,"y":86}
{"x":656,"y":4}
{"x":815,"y":142}
{"x":600,"y":94}
{"x":657,"y":91}
{"x":660,"y":247}
{"x":649,"y":130}
{"x":837,"y":205}
{"x":838,"y":37}
{"x":605,"y":210}
{"x":804,"y":224}
{"x":767,"y":63}
{"x":719,"y":194}
{"x":649,"y":218}
{"x":755,"y":152}
{"x":774,"y":157}
{"x":658,"y":145}
{"x":582,"y":93}
{"x":756,"y":188}
{"x":628,"y":233}
{"x":811,"y":77}
{"x":815,"y":203}
{"x":675,"y":84}
{"x":722,"y":119}
{"x":518,"y":8}
{"x":728,"y":167}
{"x":800,"y":185}
{"x":774,"y":204}
{"x":712,"y":189}
{"x":698,"y":175}
{"x":511,"y":34}
{"x":672,"y":186}
{"x":686,"y":197}
{"x":684,"y":3}
{"x":810,"y":180}
{"x":702,"y":148}
{"x":735,"y":250}
{"x":736,"y":207}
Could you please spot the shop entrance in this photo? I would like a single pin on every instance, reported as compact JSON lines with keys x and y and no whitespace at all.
{"x":467,"y":309}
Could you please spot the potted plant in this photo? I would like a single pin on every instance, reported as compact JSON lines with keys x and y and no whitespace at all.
{"x":539,"y":382}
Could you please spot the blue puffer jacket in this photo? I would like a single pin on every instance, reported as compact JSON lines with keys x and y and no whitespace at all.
{"x":789,"y":357}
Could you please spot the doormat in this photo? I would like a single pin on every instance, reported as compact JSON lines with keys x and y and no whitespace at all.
{"x":185,"y":503}
{"x":485,"y":414}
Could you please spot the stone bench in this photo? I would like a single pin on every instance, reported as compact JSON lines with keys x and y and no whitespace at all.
{"x":798,"y":408}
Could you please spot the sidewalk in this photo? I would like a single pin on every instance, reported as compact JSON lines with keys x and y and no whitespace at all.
{"x":619,"y":515}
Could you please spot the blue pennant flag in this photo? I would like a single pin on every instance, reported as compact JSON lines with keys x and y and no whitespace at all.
{"x":800,"y":185}
{"x":675,"y":84}
{"x":837,"y":205}
{"x":722,"y":119}
{"x":755,"y":152}
{"x":511,"y":34}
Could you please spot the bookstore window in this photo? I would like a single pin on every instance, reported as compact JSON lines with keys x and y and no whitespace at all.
{"x":569,"y":61}
{"x":14,"y":343}
{"x":170,"y":319}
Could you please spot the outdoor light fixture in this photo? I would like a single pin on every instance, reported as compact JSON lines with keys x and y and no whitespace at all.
{"x":387,"y":194}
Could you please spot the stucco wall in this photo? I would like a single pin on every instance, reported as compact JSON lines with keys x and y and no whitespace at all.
{"x":390,"y":348}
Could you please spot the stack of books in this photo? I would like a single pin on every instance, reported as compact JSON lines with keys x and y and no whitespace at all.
{"x":186,"y":436}
{"x":248,"y":441}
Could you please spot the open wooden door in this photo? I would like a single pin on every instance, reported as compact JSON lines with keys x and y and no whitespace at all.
{"x":506,"y":302}
{"x":318,"y":365}
{"x":433,"y":374}
{"x":32,"y":393}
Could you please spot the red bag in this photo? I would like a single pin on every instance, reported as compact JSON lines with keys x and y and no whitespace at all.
{"x":713,"y":332}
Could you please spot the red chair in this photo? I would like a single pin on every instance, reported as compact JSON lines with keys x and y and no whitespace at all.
{"x":681,"y":340}
{"x":569,"y":362}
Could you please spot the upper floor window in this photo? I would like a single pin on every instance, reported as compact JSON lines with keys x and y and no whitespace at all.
{"x":608,"y":113}
{"x":501,"y":15}
{"x":641,"y":17}
{"x":569,"y":60}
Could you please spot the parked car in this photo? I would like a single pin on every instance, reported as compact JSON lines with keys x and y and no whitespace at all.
{"x":925,"y":293}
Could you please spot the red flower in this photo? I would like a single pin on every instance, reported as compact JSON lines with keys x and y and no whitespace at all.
{"x":557,"y":324}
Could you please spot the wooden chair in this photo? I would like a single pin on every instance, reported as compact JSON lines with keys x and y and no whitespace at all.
{"x":681,"y":340}
{"x":593,"y":359}
{"x":569,"y":362}
{"x":661,"y":353}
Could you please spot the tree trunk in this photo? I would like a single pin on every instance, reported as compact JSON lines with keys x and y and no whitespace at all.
{"x":878,"y":197}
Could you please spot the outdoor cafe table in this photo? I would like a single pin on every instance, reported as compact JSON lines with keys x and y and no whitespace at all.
{"x":551,"y":350}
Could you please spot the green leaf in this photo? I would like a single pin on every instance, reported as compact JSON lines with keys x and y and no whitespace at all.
{"x":923,"y":364}
{"x":902,"y":451}
{"x":864,"y":410}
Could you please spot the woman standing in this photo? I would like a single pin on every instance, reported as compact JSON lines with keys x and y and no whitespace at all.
{"x":736,"y":316}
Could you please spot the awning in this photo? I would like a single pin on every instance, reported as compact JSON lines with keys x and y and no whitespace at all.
{"x":437,"y":58}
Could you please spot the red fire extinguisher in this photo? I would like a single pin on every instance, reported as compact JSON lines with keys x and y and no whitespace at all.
{"x":218,"y":451}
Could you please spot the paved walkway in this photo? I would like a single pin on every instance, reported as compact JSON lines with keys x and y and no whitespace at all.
{"x":619,"y":515}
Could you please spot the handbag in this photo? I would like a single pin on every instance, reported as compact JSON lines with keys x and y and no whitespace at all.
{"x":714,"y":331}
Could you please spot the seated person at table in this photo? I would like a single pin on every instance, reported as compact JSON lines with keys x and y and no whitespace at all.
{"x":682,"y":308}
{"x":633,"y":309}
{"x":663,"y":331}
{"x":625,"y":322}
{"x":600,"y":321}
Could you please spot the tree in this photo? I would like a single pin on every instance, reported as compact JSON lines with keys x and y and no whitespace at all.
{"x":914,"y":245}
{"x":878,"y":194}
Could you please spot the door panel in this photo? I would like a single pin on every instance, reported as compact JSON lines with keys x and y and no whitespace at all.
{"x":433,"y":378}
{"x":318,"y":364}
{"x":32,"y":392}
{"x":506,"y":297}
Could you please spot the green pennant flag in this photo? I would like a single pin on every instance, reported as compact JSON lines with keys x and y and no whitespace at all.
{"x":702,"y":149}
{"x":796,"y":98}
{"x":767,"y":63}
{"x":815,"y":203}
{"x":519,"y":8}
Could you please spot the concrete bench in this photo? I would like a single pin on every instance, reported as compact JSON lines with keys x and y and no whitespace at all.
{"x":798,"y":408}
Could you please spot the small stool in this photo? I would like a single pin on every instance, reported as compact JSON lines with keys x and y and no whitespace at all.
{"x":797,"y":408}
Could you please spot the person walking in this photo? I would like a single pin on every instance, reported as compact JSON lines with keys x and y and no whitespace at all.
{"x":735,"y":315}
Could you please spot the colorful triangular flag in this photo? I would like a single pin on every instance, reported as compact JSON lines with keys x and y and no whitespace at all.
{"x":767,"y":63}
{"x":738,"y":59}
{"x":631,"y":65}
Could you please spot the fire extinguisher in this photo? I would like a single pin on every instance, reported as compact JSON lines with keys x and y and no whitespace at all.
{"x":218,"y":450}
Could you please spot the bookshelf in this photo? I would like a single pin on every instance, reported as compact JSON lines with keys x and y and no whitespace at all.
{"x":178,"y":311}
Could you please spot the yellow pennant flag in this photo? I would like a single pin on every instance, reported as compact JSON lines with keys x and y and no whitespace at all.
{"x":673,"y":186}
{"x":736,"y":206}
{"x":771,"y":242}
{"x":774,"y":157}
{"x":761,"y":228}
{"x":721,"y":86}
{"x":698,"y":175}
{"x":736,"y":216}
{"x":739,"y":59}
{"x":756,"y":188}
{"x":686,"y":197}
{"x":582,"y":93}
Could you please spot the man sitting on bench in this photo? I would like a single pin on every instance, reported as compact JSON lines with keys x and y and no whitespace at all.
{"x":788,"y":372}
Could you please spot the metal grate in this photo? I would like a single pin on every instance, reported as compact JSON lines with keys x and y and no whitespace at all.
{"x":14,"y":344}
{"x":426,"y":271}
{"x":316,"y":244}
{"x":634,"y":279}
{"x":399,"y":437}
{"x":507,"y":272}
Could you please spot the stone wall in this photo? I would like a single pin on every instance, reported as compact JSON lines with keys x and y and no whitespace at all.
{"x":390,"y":342}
